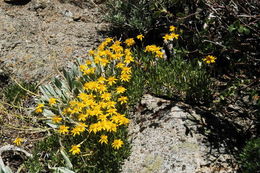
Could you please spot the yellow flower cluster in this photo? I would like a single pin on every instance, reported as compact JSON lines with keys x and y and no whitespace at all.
{"x":171,"y":35}
{"x":155,"y":50}
{"x":98,"y":107}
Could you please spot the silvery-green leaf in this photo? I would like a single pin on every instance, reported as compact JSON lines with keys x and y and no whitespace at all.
{"x":54,"y":126}
{"x":66,"y":158}
{"x":61,"y":170}
{"x":47,"y":113}
{"x":6,"y":169}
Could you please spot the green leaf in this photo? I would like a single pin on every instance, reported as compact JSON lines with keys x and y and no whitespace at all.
{"x":241,"y":29}
{"x":231,"y":28}
{"x":57,"y":83}
{"x":66,"y":158}
{"x":246,"y":30}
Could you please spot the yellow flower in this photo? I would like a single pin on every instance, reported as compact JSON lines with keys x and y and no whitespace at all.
{"x":102,"y":117}
{"x":104,"y":61}
{"x":140,"y":37}
{"x":56,"y":119}
{"x":209,"y":59}
{"x":63,"y":129}
{"x":112,"y":111}
{"x":111,"y":104}
{"x":170,"y":36}
{"x":101,"y":79}
{"x":128,"y":52}
{"x":172,"y":28}
{"x":102,"y":46}
{"x":88,"y":62}
{"x":159,"y":54}
{"x":52,"y":101}
{"x":81,"y":127}
{"x":38,"y":110}
{"x":108,"y":40}
{"x":120,"y":119}
{"x":91,"y":85}
{"x":39,"y":107}
{"x":86,"y":71}
{"x":174,"y":36}
{"x":117,"y":144}
{"x":103,"y":139}
{"x":103,"y":104}
{"x":125,"y":77}
{"x":152,"y":48}
{"x":91,"y":52}
{"x":129,"y":59}
{"x":102,"y":53}
{"x":107,"y":126}
{"x":18,"y":141}
{"x":120,"y":65}
{"x":75,"y":149}
{"x":117,"y":56}
{"x":117,"y":42}
{"x":120,"y":89}
{"x":76,"y":131}
{"x":167,"y":37}
{"x":126,"y":70}
{"x":106,"y":96}
{"x":82,"y":117}
{"x":122,"y":99}
{"x":130,"y":42}
{"x":111,"y":80}
{"x":102,"y":88}
{"x":116,"y":47}
{"x":95,"y":127}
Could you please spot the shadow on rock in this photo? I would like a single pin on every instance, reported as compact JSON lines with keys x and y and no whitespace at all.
{"x":17,"y":2}
{"x":221,"y":133}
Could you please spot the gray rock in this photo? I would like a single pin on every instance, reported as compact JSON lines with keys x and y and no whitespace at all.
{"x":167,"y":148}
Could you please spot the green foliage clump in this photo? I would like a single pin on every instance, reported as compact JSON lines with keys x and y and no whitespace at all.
{"x":250,"y":157}
{"x":144,"y":15}
{"x":176,"y":78}
{"x":229,"y":33}
{"x":16,"y":93}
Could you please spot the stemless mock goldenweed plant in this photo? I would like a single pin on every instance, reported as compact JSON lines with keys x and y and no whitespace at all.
{"x":94,"y":109}
{"x":87,"y":107}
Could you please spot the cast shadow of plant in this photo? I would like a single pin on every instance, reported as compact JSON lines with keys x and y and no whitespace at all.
{"x":223,"y":135}
{"x":18,"y":2}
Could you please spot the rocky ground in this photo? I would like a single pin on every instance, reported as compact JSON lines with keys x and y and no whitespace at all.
{"x":44,"y":35}
{"x":41,"y":36}
{"x":166,"y":139}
